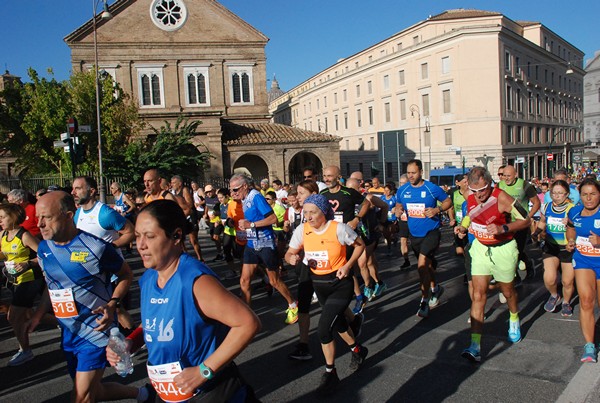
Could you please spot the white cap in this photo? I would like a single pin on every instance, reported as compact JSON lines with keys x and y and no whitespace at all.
{"x":114,"y":331}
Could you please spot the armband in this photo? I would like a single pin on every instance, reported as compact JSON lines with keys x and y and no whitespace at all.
{"x":137,"y":339}
{"x":466,"y":221}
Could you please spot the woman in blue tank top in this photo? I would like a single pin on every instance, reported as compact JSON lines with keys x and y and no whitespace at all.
{"x":583,"y":237}
{"x":192,"y":326}
{"x":553,"y":219}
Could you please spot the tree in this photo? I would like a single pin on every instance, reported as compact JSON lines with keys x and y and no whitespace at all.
{"x":169,"y":149}
{"x":120,"y":121}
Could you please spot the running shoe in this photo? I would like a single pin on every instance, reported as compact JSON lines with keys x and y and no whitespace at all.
{"x":368,"y":293}
{"x":21,"y":357}
{"x":329,"y":382}
{"x":291,"y":315}
{"x":231,"y":274}
{"x":472,"y":353}
{"x":501,"y":298}
{"x":406,"y":264}
{"x":589,"y":353}
{"x":301,"y":353}
{"x":435,"y":296}
{"x":514,"y":331}
{"x":359,"y":304}
{"x":423,"y":311}
{"x":379,"y":289}
{"x":522,"y":265}
{"x":550,"y":305}
{"x":358,"y":358}
{"x":218,"y":258}
{"x":567,"y":309}
{"x":314,"y":298}
{"x":356,"y":324}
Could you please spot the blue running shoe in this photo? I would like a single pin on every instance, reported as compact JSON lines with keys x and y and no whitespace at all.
{"x":368,"y":293}
{"x":423,"y":311}
{"x":514,"y":331}
{"x":589,"y":353}
{"x":472,"y":353}
{"x":379,"y":289}
{"x":360,"y":303}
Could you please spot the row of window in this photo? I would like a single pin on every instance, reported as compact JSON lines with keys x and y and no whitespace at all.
{"x":386,"y":84}
{"x":541,"y":105}
{"x":151,"y":86}
{"x":539,"y":135}
{"x":426,"y":141}
{"x":387,"y":113}
{"x":530,"y":71}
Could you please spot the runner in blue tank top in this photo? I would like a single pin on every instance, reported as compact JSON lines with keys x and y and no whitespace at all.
{"x":193,"y":327}
{"x":583,"y":237}
{"x":419,"y":198}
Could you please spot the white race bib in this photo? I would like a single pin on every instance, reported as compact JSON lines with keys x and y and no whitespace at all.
{"x":63,"y":303}
{"x":162,"y":376}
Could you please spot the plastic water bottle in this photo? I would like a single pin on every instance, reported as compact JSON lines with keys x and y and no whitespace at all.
{"x":117,"y":343}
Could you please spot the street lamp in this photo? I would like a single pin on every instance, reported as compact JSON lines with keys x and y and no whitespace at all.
{"x":106,"y":15}
{"x":415,"y":109}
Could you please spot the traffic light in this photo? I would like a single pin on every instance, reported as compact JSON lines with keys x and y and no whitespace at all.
{"x":79,"y":150}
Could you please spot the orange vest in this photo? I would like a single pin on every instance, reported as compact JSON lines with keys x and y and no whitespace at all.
{"x":323,"y":252}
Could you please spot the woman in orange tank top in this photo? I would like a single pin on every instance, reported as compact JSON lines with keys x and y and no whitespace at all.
{"x":324,"y":243}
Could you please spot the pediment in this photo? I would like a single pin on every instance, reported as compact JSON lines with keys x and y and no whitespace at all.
{"x":207,"y":22}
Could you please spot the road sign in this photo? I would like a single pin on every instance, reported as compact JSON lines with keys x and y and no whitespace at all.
{"x":65,"y":136}
{"x":576,"y":157}
{"x":59,"y":144}
{"x":550,"y":157}
{"x":85,"y":129}
{"x":520,"y":160}
{"x":72,"y":125}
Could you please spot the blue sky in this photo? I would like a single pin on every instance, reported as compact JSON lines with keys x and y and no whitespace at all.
{"x":306,"y":36}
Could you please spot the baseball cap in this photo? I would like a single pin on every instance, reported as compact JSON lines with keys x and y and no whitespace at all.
{"x":208,"y":188}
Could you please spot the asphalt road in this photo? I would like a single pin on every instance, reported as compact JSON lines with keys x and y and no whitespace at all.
{"x":410,"y":359}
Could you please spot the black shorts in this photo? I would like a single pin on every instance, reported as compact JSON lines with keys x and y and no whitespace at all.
{"x":559,"y":251}
{"x":24,"y":294}
{"x":193,"y":222}
{"x":468,"y":261}
{"x":266,"y":256}
{"x":305,"y":288}
{"x":426,"y":245}
{"x":403,"y":229}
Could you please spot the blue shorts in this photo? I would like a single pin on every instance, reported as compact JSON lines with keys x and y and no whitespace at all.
{"x":86,"y":359}
{"x":266,"y":256}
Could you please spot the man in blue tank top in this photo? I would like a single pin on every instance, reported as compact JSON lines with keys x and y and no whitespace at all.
{"x":78,"y":267}
{"x":419,"y":199}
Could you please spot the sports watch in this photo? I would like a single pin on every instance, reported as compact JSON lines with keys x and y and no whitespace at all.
{"x":206,"y":372}
{"x":505,"y":228}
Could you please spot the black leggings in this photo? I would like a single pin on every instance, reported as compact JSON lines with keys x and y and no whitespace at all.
{"x":305,"y":288}
{"x":334,"y":296}
{"x":228,"y":245}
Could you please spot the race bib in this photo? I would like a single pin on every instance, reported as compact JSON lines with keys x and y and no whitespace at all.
{"x":339,"y":217}
{"x":63,"y":303}
{"x":585,"y":247}
{"x":555,"y":224}
{"x":251,"y":234}
{"x":458,"y":216}
{"x":416,"y":210}
{"x":318,"y":261}
{"x":480,"y":232}
{"x":162,"y":376}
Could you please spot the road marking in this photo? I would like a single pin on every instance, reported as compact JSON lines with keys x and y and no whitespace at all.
{"x":582,"y":384}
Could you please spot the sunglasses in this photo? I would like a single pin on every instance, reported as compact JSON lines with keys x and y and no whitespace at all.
{"x":235,"y":190}
{"x":479,"y":190}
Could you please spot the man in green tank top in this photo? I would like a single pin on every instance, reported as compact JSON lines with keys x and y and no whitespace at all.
{"x":523,"y":192}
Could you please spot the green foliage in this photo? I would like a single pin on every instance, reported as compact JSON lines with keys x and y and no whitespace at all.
{"x":169,"y":149}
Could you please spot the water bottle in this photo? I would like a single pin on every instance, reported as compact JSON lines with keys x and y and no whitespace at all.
{"x":117,"y":343}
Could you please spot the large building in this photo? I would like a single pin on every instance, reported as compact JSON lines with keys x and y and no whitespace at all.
{"x":197,"y":59}
{"x":464,"y":86}
{"x":591,"y":97}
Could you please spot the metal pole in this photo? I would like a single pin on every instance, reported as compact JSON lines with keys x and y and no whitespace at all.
{"x":398,"y":151}
{"x":99,"y":126}
{"x":383,"y":155}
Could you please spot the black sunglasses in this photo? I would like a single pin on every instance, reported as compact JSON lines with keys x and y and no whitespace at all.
{"x":235,"y":190}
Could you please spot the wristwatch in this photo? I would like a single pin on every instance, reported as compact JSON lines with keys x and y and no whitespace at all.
{"x":206,"y":372}
{"x":505,"y":228}
{"x":252,"y":225}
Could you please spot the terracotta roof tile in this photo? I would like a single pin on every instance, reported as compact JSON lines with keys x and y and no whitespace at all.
{"x":463,"y":13}
{"x":271,"y":133}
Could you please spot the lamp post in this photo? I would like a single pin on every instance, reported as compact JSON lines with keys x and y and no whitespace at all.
{"x":415,"y":109}
{"x":106,"y":15}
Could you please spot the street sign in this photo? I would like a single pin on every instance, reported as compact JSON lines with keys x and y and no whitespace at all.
{"x":520,"y":160}
{"x":59,"y":144}
{"x":64,"y":136}
{"x":72,"y":125}
{"x":85,"y":129}
{"x":550,"y":157}
{"x":576,"y":157}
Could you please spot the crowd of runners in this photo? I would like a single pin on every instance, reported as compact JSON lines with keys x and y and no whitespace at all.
{"x":69,"y":248}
